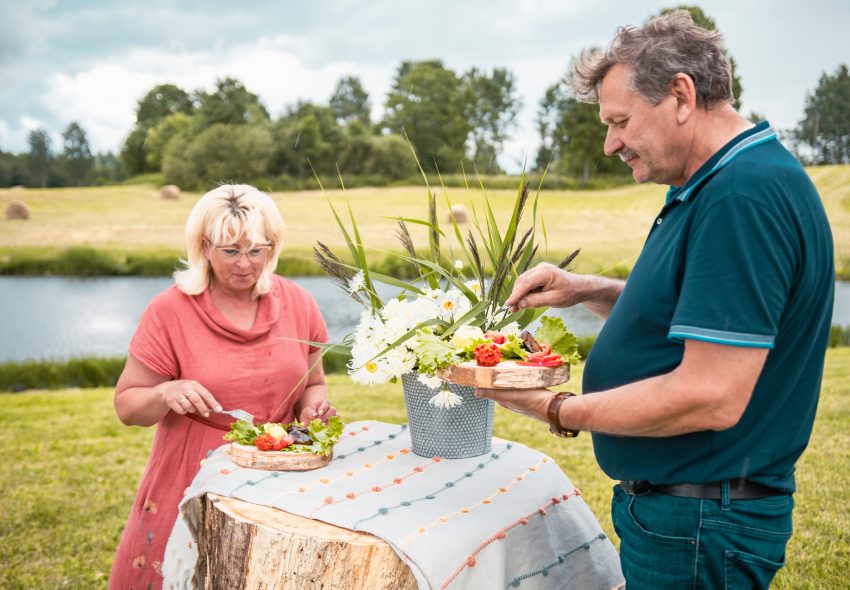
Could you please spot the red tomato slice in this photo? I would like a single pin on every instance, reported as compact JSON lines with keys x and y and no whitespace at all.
{"x":496,"y":337}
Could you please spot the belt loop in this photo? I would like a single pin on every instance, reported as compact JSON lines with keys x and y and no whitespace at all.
{"x":725,"y":502}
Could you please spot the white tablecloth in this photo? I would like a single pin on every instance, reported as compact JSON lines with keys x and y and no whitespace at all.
{"x":507,"y":519}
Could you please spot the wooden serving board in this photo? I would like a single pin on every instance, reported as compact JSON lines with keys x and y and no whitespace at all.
{"x":252,"y":457}
{"x":505,"y":375}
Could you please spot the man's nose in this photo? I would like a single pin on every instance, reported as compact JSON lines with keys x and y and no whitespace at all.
{"x":613,"y":143}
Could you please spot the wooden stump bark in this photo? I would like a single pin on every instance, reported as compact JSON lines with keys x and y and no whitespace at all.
{"x":243,"y":545}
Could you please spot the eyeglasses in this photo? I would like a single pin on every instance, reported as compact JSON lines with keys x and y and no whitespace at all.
{"x":254,"y":253}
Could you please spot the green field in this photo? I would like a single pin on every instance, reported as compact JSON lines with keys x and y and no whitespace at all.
{"x":71,"y":469}
{"x":608,"y":225}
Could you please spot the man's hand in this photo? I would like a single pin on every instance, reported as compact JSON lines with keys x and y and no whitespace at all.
{"x":528,"y":402}
{"x":549,"y":286}
{"x":545,"y":285}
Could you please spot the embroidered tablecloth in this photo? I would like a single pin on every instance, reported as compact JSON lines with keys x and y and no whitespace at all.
{"x":510,"y":518}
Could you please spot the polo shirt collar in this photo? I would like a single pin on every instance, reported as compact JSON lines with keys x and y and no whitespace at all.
{"x":761,"y":133}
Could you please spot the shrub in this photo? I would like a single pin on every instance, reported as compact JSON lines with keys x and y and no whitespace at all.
{"x":336,"y":363}
{"x":149,"y":265}
{"x":82,"y":261}
{"x":839,"y":336}
{"x":81,"y":372}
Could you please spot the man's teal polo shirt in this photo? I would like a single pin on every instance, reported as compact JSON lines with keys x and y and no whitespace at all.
{"x":741,"y":255}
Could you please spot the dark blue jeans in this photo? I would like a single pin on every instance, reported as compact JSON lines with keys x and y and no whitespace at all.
{"x":684,"y":543}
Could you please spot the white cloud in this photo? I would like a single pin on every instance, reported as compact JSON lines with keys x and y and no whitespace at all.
{"x":103,"y":98}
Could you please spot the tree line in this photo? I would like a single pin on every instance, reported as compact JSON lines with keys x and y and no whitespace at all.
{"x":455,"y":123}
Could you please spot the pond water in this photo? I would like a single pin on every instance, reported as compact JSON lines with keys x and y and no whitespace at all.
{"x":60,"y":318}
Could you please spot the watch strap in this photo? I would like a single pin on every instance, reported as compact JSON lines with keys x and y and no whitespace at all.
{"x":554,"y":414}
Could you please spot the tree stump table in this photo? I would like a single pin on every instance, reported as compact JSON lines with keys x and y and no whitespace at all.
{"x":243,"y":545}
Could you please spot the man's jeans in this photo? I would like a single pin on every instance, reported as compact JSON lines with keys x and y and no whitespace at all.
{"x":671,"y":542}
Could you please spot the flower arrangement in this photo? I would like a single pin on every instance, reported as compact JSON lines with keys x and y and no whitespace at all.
{"x":452,"y":307}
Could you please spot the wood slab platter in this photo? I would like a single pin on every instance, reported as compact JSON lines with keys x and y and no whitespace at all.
{"x":505,"y":375}
{"x":252,"y":457}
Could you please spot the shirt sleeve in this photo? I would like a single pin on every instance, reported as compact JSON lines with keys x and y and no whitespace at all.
{"x":151,"y":344}
{"x":739,"y":268}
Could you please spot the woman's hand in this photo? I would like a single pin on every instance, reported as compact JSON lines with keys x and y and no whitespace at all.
{"x":187,"y":397}
{"x":322,"y":410}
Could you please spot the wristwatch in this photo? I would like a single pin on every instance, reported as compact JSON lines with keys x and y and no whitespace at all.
{"x":554,"y":415}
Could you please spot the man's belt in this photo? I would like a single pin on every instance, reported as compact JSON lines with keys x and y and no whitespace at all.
{"x":739,"y":489}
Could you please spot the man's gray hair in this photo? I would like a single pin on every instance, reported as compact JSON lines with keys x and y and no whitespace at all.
{"x":663,"y":47}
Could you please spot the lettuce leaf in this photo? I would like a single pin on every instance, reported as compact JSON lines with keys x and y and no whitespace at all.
{"x":433,"y":353}
{"x":243,"y":433}
{"x":324,"y":435}
{"x":512,"y":348}
{"x":553,"y":332}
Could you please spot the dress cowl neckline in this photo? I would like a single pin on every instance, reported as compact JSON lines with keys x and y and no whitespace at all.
{"x":269,"y":309}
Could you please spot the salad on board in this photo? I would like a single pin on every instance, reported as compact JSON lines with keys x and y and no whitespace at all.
{"x":552,"y":345}
{"x":316,"y":437}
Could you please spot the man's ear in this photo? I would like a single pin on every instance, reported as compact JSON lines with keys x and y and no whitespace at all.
{"x":685,"y":93}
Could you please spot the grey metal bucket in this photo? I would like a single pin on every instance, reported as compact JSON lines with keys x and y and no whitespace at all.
{"x":453,"y":433}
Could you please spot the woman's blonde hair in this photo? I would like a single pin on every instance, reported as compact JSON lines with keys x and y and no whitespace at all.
{"x":224,"y":216}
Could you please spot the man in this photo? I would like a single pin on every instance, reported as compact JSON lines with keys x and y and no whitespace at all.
{"x":701,"y":388}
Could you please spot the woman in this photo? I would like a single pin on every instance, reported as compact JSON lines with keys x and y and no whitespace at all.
{"x":229,"y":334}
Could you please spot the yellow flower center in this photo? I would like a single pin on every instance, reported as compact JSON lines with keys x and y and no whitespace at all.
{"x":372,"y":367}
{"x":448,"y":305}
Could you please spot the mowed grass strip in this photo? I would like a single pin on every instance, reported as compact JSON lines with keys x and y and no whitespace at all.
{"x":70,"y":472}
{"x":608,"y":225}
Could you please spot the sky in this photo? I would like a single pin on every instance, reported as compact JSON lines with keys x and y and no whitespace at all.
{"x":90,"y":61}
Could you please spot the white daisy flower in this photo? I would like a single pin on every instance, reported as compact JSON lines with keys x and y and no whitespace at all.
{"x":473,"y":286}
{"x":357,"y":282}
{"x":369,"y":372}
{"x":430,"y":381}
{"x":399,"y":361}
{"x":445,"y":400}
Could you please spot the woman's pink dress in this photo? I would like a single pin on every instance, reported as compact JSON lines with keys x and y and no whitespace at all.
{"x":261,"y":370}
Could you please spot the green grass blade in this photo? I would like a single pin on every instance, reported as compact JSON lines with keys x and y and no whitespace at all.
{"x":422,"y":222}
{"x":361,"y":259}
{"x":349,"y":242}
{"x":446,"y":274}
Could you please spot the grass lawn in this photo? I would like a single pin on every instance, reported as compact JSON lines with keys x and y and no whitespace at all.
{"x":71,"y":470}
{"x":608,"y":225}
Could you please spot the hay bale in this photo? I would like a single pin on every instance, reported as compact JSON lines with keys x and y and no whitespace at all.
{"x":459,"y":212}
{"x":170,"y":191}
{"x":17,"y":210}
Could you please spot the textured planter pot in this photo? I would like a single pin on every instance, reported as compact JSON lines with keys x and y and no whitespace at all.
{"x":453,"y":433}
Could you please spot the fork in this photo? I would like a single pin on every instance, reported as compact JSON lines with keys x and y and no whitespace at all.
{"x":239,"y":415}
